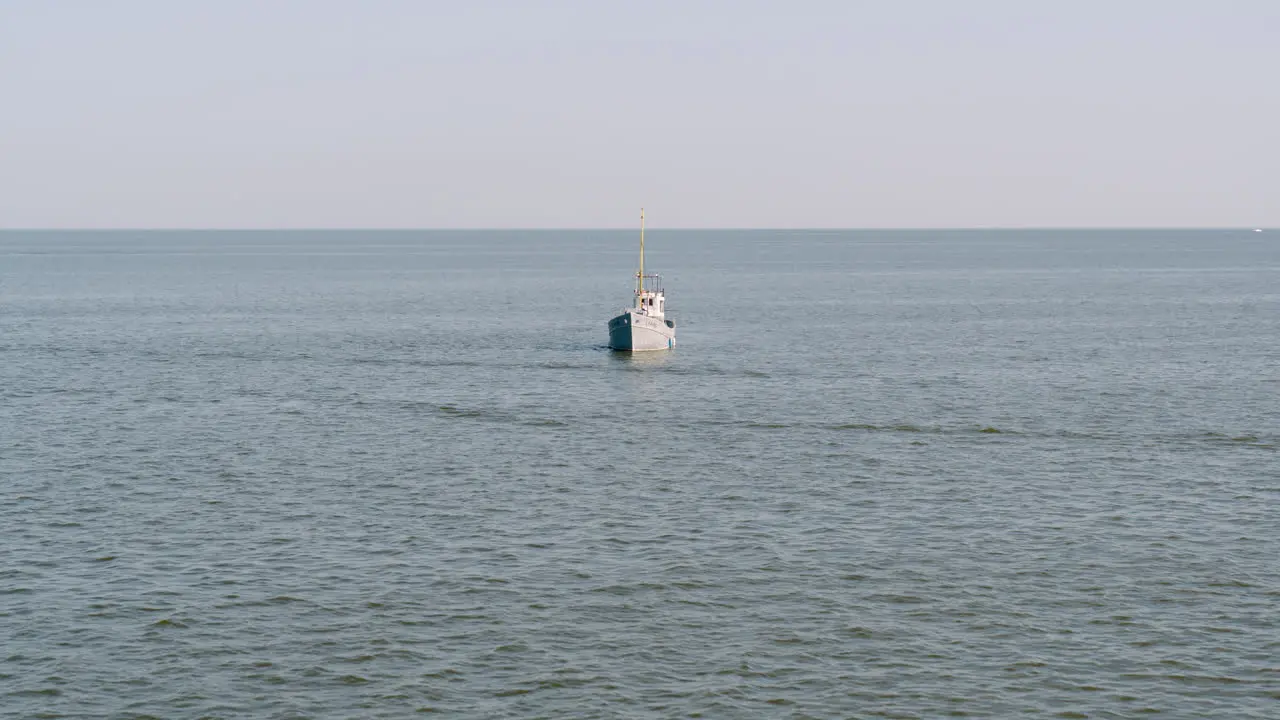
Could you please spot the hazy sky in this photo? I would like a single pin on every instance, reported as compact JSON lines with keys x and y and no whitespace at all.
{"x":710,"y":113}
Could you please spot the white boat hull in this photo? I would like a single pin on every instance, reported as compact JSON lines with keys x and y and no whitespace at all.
{"x":634,"y":331}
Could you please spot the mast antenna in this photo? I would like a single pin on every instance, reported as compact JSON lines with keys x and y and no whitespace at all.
{"x":640,"y":275}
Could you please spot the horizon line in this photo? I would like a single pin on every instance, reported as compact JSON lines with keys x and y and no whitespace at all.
{"x":885,"y":228}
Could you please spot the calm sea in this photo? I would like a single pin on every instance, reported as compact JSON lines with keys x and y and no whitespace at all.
{"x":883,"y":474}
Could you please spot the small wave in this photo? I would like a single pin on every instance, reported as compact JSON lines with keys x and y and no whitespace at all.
{"x":895,"y":599}
{"x":565,"y":366}
{"x":226,"y":355}
{"x":458,"y":412}
{"x":901,"y":427}
{"x":1230,"y":584}
{"x":1205,"y":679}
{"x":43,"y":692}
{"x":493,"y":416}
{"x":790,"y":640}
{"x":546,"y":422}
{"x":443,"y":363}
{"x":567,"y":682}
{"x":620,"y":589}
{"x":1230,"y":438}
{"x":512,"y":692}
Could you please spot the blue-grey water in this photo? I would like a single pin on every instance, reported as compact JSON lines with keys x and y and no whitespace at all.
{"x":883,"y":474}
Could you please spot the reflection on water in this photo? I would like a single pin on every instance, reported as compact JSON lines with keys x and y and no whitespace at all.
{"x":648,"y":360}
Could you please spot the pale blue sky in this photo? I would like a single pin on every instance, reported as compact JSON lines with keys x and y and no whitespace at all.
{"x":484,"y":113}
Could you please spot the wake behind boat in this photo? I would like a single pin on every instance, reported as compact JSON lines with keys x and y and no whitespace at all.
{"x":644,"y":326}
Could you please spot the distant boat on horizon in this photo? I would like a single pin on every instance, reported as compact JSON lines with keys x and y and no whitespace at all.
{"x":644,"y":325}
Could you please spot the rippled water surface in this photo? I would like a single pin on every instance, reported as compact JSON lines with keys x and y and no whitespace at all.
{"x":884,"y":474}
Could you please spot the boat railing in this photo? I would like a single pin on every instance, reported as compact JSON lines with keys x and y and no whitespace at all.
{"x":651,"y":282}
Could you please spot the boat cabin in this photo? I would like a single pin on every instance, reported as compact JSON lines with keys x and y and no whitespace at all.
{"x":650,"y":297}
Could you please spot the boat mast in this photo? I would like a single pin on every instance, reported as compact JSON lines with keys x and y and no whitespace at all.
{"x":640,"y":275}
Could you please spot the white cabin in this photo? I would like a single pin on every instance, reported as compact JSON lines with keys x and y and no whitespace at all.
{"x":651,"y":300}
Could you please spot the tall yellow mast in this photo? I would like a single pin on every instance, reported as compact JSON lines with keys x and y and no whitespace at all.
{"x":640,"y":275}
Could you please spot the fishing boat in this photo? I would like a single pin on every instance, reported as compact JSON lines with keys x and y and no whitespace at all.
{"x":644,"y":325}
